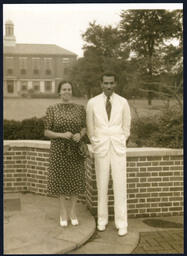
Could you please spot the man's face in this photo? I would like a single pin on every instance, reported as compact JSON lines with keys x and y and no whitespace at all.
{"x":108,"y":84}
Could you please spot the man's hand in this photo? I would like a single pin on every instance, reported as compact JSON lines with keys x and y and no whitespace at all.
{"x":127,"y":141}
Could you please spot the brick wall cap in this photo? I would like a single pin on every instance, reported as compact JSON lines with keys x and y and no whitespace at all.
{"x":131,"y":152}
{"x":27,"y":143}
{"x":146,"y":151}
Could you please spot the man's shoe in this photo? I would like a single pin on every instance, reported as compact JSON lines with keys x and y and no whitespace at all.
{"x":74,"y":222}
{"x":122,"y":231}
{"x":101,"y":227}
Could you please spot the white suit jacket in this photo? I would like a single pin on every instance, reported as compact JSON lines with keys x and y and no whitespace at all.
{"x":101,"y":131}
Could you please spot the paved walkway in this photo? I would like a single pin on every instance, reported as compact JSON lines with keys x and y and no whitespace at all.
{"x":161,"y":242}
{"x":141,"y":239}
{"x":31,"y":227}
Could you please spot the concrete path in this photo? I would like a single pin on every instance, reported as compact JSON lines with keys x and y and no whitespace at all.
{"x":31,"y":226}
{"x":141,"y":239}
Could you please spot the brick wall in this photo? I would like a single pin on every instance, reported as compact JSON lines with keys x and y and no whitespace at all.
{"x":26,"y":166}
{"x":154,"y":183}
{"x":154,"y":177}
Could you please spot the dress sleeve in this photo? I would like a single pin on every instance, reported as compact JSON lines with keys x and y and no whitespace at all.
{"x":83,"y":117}
{"x":49,"y":119}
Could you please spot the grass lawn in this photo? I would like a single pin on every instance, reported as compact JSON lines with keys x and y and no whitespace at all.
{"x":23,"y":108}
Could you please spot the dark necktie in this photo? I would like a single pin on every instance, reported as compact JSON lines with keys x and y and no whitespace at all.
{"x":108,"y":107}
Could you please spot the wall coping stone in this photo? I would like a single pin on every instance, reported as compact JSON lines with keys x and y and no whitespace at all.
{"x":131,"y":152}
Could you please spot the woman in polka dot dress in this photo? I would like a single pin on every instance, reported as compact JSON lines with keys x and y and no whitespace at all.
{"x":65,"y":126}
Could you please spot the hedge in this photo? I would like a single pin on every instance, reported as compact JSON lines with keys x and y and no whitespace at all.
{"x":157,"y":131}
{"x":30,"y":129}
{"x":165,"y":130}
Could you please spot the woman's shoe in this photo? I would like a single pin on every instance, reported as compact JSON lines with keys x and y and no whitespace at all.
{"x":74,"y":222}
{"x":63,"y":223}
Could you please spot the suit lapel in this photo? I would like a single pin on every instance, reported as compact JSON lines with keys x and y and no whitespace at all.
{"x":114,"y":108}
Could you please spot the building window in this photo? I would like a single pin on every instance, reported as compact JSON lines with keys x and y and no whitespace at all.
{"x":36,"y":65}
{"x":9,"y":65}
{"x":65,"y":60}
{"x":66,"y":70}
{"x":9,"y":30}
{"x":23,"y":71}
{"x":48,"y":72}
{"x":24,"y":85}
{"x":23,"y":65}
{"x":9,"y":71}
{"x":36,"y":71}
{"x":48,"y":86}
{"x":48,"y":66}
{"x":10,"y":86}
{"x":36,"y":86}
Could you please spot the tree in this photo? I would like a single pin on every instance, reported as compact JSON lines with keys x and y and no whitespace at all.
{"x":86,"y":72}
{"x":145,"y":31}
{"x":102,"y":52}
{"x":105,"y":39}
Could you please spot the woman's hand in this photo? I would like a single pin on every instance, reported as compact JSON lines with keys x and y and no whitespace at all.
{"x":76,"y":137}
{"x":67,"y":135}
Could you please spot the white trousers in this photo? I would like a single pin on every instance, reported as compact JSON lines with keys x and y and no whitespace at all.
{"x":118,"y":171}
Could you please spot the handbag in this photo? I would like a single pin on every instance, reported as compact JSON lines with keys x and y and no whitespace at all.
{"x":83,"y":149}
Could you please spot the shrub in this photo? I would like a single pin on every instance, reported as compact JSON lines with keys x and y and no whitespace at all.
{"x":32,"y":128}
{"x":156,"y":131}
{"x":159,"y":131}
{"x":28,"y":129}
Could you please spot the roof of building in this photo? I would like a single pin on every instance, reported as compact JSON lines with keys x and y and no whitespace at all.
{"x":40,"y":49}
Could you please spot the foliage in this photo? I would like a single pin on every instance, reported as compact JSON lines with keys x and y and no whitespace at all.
{"x":159,"y":131}
{"x":137,"y":50}
{"x":156,"y":131}
{"x":102,"y":52}
{"x":86,"y":73}
{"x":146,"y":33}
{"x":30,"y":129}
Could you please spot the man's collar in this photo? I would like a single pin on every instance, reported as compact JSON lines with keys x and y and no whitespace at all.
{"x":105,"y":97}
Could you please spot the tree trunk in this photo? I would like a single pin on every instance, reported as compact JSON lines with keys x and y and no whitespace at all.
{"x":150,"y":94}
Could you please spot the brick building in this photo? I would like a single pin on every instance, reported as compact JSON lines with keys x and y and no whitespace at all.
{"x":32,"y":68}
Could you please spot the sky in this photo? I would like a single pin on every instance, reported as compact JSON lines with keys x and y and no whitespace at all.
{"x":63,"y":24}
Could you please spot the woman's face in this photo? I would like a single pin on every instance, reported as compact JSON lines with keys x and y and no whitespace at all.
{"x":66,"y":92}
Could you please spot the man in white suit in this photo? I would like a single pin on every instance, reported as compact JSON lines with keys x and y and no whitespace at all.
{"x":108,"y":125}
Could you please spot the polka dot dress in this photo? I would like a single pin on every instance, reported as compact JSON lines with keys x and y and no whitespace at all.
{"x":66,"y":166}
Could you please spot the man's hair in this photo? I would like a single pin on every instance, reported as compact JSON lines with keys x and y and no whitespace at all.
{"x":109,"y":74}
{"x":64,"y":82}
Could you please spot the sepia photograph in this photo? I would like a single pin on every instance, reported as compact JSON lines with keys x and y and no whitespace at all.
{"x":93,"y":128}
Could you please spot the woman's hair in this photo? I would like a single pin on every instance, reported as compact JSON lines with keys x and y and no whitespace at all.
{"x":64,"y":82}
